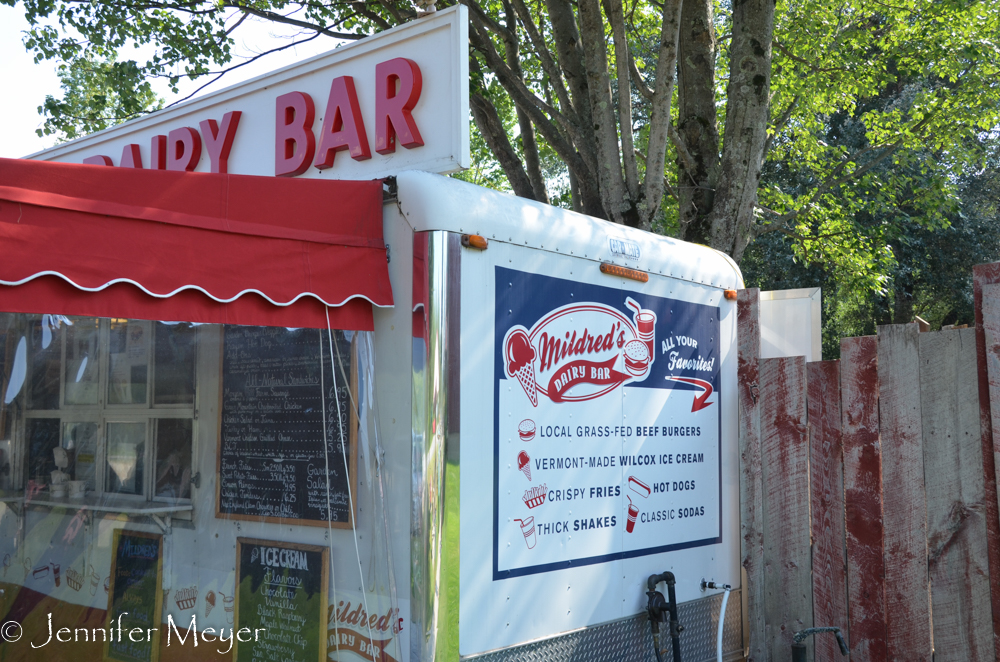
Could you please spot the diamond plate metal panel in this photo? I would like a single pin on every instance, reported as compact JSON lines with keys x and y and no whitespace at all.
{"x":630,"y":639}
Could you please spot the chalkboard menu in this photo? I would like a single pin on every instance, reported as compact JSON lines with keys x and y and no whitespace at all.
{"x":281,"y":588}
{"x":272,"y":465}
{"x":136,"y":595}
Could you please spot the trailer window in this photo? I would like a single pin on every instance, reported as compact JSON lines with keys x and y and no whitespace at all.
{"x":118,"y":397}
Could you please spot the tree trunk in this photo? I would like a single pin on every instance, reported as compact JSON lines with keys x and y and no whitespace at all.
{"x":697,"y":125}
{"x":491,"y":127}
{"x":529,"y":148}
{"x":746,"y":126}
{"x":614,"y":197}
{"x":659,"y":118}
{"x":569,"y":54}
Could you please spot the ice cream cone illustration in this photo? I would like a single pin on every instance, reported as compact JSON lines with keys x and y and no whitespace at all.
{"x":524,"y":464}
{"x":209,"y":602}
{"x":521,"y":362}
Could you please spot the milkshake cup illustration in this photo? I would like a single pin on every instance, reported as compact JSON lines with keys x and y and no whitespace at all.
{"x":524,"y":464}
{"x":228,"y":603}
{"x":528,"y":529}
{"x":55,"y":572}
{"x":6,"y":563}
{"x":95,"y":581}
{"x":633,"y":512}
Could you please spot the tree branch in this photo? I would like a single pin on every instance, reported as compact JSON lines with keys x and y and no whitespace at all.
{"x":549,"y":65}
{"x":682,"y":151}
{"x":780,"y":124}
{"x":222,"y":73}
{"x":278,"y":18}
{"x":795,"y":58}
{"x":532,"y":105}
{"x":637,"y":80}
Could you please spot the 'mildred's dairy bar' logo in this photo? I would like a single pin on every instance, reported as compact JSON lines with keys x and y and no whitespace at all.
{"x":581,"y":351}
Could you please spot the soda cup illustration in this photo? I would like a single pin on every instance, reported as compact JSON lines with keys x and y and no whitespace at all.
{"x":645,"y":324}
{"x":633,"y":512}
{"x":528,"y":529}
{"x":95,"y":581}
{"x":229,"y":604}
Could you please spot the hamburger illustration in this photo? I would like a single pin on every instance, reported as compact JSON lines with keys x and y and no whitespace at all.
{"x":526,"y":429}
{"x":636,"y":355}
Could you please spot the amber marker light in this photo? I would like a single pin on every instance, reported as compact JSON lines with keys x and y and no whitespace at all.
{"x":474,"y":241}
{"x":624,"y":272}
{"x":730,"y":295}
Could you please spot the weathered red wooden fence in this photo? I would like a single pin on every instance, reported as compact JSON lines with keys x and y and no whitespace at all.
{"x":869,"y":491}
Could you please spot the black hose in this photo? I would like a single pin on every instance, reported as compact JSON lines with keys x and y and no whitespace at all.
{"x":656,"y":645}
{"x":656,"y":608}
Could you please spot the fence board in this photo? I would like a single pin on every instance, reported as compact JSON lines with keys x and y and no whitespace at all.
{"x":863,"y":499}
{"x":785,"y":472}
{"x":826,"y":474}
{"x":751,"y":488}
{"x":989,"y":415}
{"x":908,"y":627}
{"x":958,"y":562}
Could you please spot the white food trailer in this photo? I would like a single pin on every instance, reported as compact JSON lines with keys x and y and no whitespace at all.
{"x":490,"y":461}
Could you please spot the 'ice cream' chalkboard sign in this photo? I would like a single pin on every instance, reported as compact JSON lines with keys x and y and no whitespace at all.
{"x":272,"y":464}
{"x":135,"y":596}
{"x":281,"y":591}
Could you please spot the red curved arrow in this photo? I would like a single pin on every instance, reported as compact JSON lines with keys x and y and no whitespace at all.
{"x":699,"y":400}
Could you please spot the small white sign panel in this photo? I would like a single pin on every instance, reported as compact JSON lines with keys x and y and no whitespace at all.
{"x":398,"y":100}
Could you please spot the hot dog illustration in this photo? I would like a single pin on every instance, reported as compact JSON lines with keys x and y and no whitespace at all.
{"x":639,"y":487}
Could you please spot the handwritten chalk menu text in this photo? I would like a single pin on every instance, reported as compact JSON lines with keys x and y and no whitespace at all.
{"x":135,"y":596}
{"x":281,"y":593}
{"x":272,"y":464}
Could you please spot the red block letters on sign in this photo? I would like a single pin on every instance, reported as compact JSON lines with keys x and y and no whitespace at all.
{"x":294,"y":142}
{"x":220,"y":143}
{"x":393,"y":108}
{"x":184,"y":149}
{"x":343,"y":125}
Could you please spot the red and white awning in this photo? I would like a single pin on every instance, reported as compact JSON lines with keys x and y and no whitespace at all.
{"x":213,"y":248}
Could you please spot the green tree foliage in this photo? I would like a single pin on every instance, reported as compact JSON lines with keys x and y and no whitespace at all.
{"x":927,"y":269}
{"x":93,"y":98}
{"x":840,"y":126}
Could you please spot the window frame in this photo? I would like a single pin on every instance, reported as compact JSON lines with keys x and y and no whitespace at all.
{"x":103,"y":413}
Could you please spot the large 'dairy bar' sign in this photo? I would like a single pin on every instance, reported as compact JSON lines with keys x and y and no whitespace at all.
{"x":395,"y":101}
